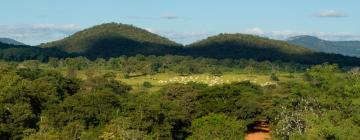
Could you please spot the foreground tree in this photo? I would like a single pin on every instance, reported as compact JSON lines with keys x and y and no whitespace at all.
{"x":217,"y":127}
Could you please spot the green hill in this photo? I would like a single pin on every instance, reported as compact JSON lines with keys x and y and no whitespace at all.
{"x":349,"y":48}
{"x":246,"y":46}
{"x":113,"y":39}
{"x":239,"y":46}
{"x":10,"y":41}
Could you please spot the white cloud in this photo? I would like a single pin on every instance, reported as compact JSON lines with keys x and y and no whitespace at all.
{"x":330,"y":14}
{"x":150,"y":30}
{"x":256,"y":30}
{"x":66,"y":27}
{"x":38,"y":33}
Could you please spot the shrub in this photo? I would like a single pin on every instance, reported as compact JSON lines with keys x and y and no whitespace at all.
{"x":147,"y":85}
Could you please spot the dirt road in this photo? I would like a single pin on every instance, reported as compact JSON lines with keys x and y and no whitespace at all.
{"x":260,"y":131}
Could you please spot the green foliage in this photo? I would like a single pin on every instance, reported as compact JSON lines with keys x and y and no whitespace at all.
{"x":89,"y":108}
{"x":216,"y":72}
{"x":23,"y":98}
{"x":147,"y":85}
{"x":217,"y":127}
{"x":20,"y":53}
{"x":106,"y":82}
{"x":31,"y":64}
{"x":237,"y":99}
{"x":120,"y":129}
{"x":40,"y":102}
{"x":273,"y":77}
{"x":322,"y":108}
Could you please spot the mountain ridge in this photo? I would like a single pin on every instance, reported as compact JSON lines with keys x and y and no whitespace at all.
{"x":10,"y":41}
{"x":349,"y":48}
{"x":116,"y":39}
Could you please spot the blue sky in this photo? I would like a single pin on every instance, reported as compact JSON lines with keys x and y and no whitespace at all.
{"x":185,"y":21}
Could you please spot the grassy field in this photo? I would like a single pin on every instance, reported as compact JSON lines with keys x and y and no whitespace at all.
{"x":162,"y":79}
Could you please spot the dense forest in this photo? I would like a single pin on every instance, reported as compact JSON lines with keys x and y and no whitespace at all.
{"x":51,"y":101}
{"x":23,"y":52}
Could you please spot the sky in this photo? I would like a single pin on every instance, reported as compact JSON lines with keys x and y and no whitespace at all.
{"x":185,"y":21}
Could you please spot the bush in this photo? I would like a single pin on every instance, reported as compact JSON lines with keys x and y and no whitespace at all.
{"x":216,"y":72}
{"x":147,"y":85}
{"x":274,"y":77}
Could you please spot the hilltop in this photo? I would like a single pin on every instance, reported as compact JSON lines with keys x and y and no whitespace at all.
{"x":349,"y":48}
{"x":114,"y":39}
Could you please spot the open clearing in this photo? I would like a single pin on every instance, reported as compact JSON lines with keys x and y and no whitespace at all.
{"x":161,"y":79}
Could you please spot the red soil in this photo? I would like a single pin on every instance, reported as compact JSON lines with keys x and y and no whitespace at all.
{"x":260,"y":131}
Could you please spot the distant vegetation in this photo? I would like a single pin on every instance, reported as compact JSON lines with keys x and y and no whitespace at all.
{"x":114,"y":40}
{"x":349,"y":48}
{"x":10,"y":41}
{"x":22,"y":52}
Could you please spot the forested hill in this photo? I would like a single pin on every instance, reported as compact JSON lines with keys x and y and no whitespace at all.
{"x":24,"y":52}
{"x":349,"y":48}
{"x":10,"y":41}
{"x":113,"y":39}
{"x":245,"y":46}
{"x":238,"y":46}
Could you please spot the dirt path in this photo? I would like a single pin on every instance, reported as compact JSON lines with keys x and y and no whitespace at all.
{"x":260,"y":131}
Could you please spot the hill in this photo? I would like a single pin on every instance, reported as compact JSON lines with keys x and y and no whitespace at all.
{"x":239,"y":46}
{"x":23,"y":52}
{"x":113,"y":39}
{"x":10,"y":41}
{"x":244,"y":46}
{"x":349,"y":48}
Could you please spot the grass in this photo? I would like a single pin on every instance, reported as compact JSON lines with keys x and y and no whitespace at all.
{"x":161,"y":79}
